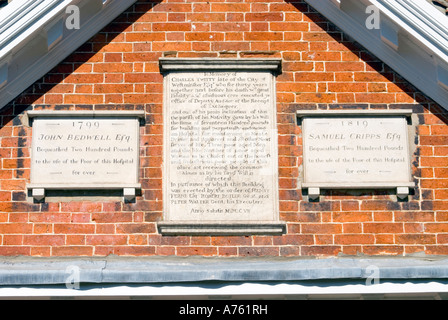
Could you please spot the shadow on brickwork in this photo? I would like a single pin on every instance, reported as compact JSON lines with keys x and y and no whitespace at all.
{"x":69,"y":65}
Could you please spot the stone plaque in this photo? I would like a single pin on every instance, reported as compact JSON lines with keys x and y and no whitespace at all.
{"x":220,"y":147}
{"x":347,"y":151}
{"x":84,"y":151}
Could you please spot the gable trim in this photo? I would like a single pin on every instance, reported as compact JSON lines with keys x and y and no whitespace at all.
{"x":34,"y":38}
{"x":412,"y":38}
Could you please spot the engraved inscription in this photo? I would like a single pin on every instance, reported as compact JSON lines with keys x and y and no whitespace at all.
{"x":83,"y":151}
{"x":220,"y":147}
{"x":356,"y":150}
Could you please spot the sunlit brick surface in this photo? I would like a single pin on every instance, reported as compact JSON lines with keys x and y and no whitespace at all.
{"x":118,"y":69}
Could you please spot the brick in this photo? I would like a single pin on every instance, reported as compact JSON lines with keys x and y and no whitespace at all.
{"x":415,"y":239}
{"x":430,"y":118}
{"x":230,"y":7}
{"x":44,"y":240}
{"x":296,"y":87}
{"x":320,"y":36}
{"x":142,"y":77}
{"x":172,"y":7}
{"x":288,"y":206}
{"x":382,"y":216}
{"x":83,"y":98}
{"x":74,"y":239}
{"x":258,"y":251}
{"x":383,"y":227}
{"x":441,"y":194}
{"x":12,"y":185}
{"x":73,"y":228}
{"x":81,"y":206}
{"x":434,"y":183}
{"x":293,"y":240}
{"x":231,"y":241}
{"x":347,"y":87}
{"x":73,"y":251}
{"x":438,"y":227}
{"x":113,"y":67}
{"x":134,"y":250}
{"x":348,"y":239}
{"x":434,"y":140}
{"x":113,"y":88}
{"x":172,"y":46}
{"x":384,"y":238}
{"x":166,"y":251}
{"x":102,"y":240}
{"x":231,"y":46}
{"x":194,"y":251}
{"x":111,"y":47}
{"x":290,"y":251}
{"x":16,"y":228}
{"x":5,"y":196}
{"x":289,"y":26}
{"x":229,"y":26}
{"x":352,"y":216}
{"x":15,"y":250}
{"x":204,"y":36}
{"x":263,"y":36}
{"x":169,"y":26}
{"x":440,"y":151}
{"x":437,"y":250}
{"x":265,"y":16}
{"x":322,"y":228}
{"x":131,"y":228}
{"x":375,"y":205}
{"x":200,"y":240}
{"x":207,"y":17}
{"x":151,"y":16}
{"x":420,"y":216}
{"x":383,"y":250}
{"x":375,"y":97}
{"x":314,"y":76}
{"x":320,"y":250}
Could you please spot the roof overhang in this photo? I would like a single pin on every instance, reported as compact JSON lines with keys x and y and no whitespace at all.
{"x":35,"y":37}
{"x":411,"y":38}
{"x":186,"y":277}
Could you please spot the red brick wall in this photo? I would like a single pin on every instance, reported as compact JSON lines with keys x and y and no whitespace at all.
{"x":118,"y":69}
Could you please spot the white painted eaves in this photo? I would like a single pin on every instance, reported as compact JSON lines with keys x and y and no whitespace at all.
{"x":412,"y":38}
{"x":34,"y":37}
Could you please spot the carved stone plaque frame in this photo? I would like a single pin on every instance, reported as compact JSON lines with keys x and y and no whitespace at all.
{"x":220,"y":147}
{"x":356,"y":149}
{"x":85,"y":150}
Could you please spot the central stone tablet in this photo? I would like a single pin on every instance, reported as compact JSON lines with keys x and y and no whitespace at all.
{"x":220,"y":172}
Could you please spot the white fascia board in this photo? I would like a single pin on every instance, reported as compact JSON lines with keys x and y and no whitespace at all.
{"x":421,"y":21}
{"x":23,"y":24}
{"x":30,"y":19}
{"x":228,"y":291}
{"x":421,"y":53}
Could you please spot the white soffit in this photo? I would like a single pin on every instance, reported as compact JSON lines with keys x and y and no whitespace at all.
{"x":411,"y":38}
{"x":34,"y":37}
